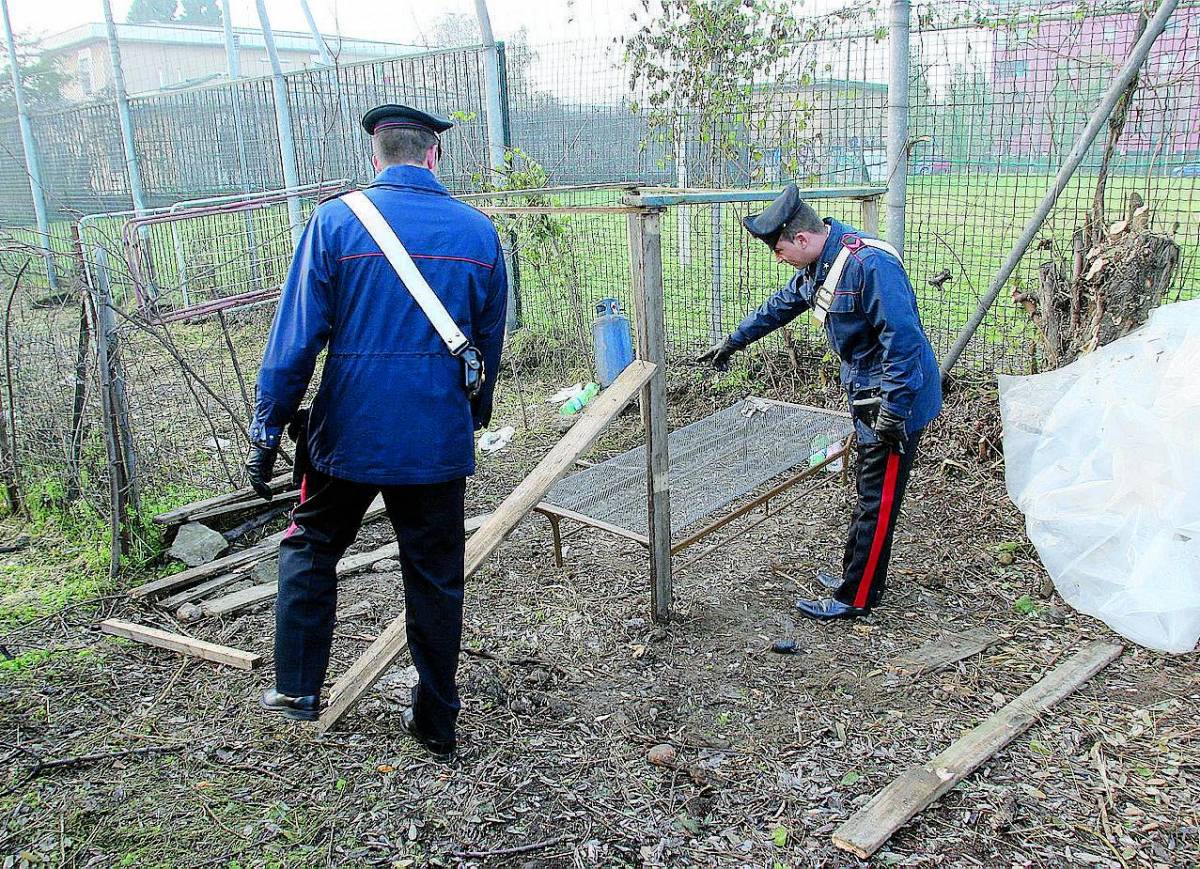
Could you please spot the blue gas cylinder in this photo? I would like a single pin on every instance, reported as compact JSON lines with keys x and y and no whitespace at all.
{"x":612,"y":339}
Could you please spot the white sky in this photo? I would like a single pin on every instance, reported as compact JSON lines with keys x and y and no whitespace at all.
{"x":405,"y":21}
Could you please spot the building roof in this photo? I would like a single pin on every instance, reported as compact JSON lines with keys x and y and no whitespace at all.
{"x":190,"y":34}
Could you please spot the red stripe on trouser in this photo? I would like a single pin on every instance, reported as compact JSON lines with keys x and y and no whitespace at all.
{"x":882,"y":524}
{"x":293,"y":528}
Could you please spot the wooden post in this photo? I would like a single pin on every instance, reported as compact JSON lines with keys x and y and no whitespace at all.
{"x":645,"y":253}
{"x":870,"y":214}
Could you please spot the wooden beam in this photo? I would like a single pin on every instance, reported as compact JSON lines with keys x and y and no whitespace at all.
{"x":894,"y":806}
{"x":240,"y":599}
{"x":229,"y":563}
{"x":184,"y":645}
{"x":181,"y":514}
{"x":645,"y":245}
{"x":943,"y":650}
{"x":220,"y":511}
{"x":380,"y":655}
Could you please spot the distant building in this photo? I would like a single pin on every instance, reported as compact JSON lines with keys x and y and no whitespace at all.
{"x":158,"y":57}
{"x":1049,"y":75}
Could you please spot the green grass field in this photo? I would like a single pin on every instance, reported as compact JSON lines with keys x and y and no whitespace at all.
{"x":964,"y":224}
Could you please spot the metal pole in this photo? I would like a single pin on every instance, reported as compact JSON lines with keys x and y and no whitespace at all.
{"x":716,"y":308}
{"x":118,"y":73}
{"x":32,"y":165}
{"x":1098,"y":119}
{"x":683,"y":216}
{"x":645,"y":252}
{"x":897,"y":144}
{"x":318,"y":40}
{"x":283,"y":123}
{"x":233,"y":66}
{"x":491,"y":78}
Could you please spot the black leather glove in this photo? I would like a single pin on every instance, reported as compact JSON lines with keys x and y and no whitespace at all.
{"x":889,"y":428}
{"x":260,"y":468}
{"x":719,"y":355}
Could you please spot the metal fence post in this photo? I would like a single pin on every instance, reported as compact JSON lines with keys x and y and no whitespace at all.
{"x":113,"y":375}
{"x":645,"y":253}
{"x":98,"y":301}
{"x":716,"y":304}
{"x":318,"y":40}
{"x":283,"y":123}
{"x":897,"y":143}
{"x":233,"y":68}
{"x":32,"y":164}
{"x":491,"y":79}
{"x":512,"y":258}
{"x":118,"y":73}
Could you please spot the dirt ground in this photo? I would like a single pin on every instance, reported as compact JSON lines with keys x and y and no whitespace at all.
{"x":567,"y":685}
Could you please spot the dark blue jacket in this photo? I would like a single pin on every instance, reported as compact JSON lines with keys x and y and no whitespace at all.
{"x":872,"y":325}
{"x":391,"y":409}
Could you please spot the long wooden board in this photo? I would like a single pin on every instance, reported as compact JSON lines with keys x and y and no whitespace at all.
{"x":184,"y":645}
{"x":184,"y":513}
{"x":221,"y":511}
{"x":380,"y":655}
{"x":894,"y":806}
{"x":229,"y":563}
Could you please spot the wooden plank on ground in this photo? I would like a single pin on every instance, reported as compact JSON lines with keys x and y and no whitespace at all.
{"x":894,"y":806}
{"x":181,"y":514}
{"x":380,"y":655}
{"x":240,"y":599}
{"x":266,"y":590}
{"x":229,"y":563}
{"x":943,"y":650}
{"x":184,"y":645}
{"x":220,"y":511}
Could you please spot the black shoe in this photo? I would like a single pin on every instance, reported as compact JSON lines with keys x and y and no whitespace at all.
{"x":305,"y":708}
{"x":830,"y":609}
{"x":439,"y":749}
{"x":828,"y":580}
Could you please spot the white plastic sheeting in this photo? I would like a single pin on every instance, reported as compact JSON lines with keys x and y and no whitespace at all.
{"x":1103,"y":458}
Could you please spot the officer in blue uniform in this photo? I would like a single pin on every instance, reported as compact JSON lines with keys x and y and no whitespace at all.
{"x":391,"y":415}
{"x":857,"y":286}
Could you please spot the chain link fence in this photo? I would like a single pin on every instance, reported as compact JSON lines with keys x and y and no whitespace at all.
{"x":994,"y":107}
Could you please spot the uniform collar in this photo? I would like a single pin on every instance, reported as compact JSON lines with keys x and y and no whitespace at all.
{"x":413,"y":177}
{"x":829,"y":252}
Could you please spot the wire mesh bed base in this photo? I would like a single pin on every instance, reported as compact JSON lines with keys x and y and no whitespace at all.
{"x":713,"y":462}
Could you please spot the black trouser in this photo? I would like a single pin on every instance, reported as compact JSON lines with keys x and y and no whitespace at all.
{"x":428,"y":520}
{"x":881,"y":479}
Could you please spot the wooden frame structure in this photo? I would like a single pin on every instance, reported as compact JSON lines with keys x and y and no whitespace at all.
{"x":556,"y":514}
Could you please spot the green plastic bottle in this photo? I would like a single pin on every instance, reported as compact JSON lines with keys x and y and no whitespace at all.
{"x":577,"y":403}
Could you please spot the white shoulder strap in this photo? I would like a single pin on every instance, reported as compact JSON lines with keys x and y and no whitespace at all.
{"x":839,"y":263}
{"x":377,"y":227}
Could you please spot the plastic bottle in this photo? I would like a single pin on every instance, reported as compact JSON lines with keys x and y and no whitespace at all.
{"x":577,"y":403}
{"x":817,"y":451}
{"x":612,"y":340}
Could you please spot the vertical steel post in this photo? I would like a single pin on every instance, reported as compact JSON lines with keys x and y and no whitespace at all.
{"x":716,"y":301}
{"x":645,"y":253}
{"x":491,"y":79}
{"x":283,"y":123}
{"x":897,"y":144}
{"x":233,"y":68}
{"x":118,"y":74}
{"x":318,"y":40}
{"x":32,"y":164}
